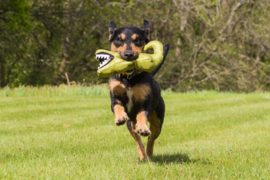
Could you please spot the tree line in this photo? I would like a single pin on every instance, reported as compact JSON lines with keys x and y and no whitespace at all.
{"x":215,"y":44}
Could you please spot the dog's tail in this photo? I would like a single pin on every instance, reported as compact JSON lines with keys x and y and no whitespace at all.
{"x":165,"y":52}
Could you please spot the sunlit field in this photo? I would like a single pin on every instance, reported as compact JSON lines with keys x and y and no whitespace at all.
{"x":69,"y":132}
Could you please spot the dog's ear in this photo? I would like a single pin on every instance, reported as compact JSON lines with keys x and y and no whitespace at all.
{"x":147,"y":28}
{"x":147,"y":25}
{"x":112,"y":29}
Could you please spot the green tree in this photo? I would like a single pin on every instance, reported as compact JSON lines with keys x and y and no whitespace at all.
{"x":220,"y":44}
{"x":14,"y":22}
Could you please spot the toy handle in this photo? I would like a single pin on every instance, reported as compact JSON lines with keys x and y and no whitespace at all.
{"x":165,"y":52}
{"x":148,"y":62}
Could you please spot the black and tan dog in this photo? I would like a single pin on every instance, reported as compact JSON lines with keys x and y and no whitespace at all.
{"x":135,"y":95}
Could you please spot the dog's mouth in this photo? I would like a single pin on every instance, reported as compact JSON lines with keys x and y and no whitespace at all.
{"x":104,"y":59}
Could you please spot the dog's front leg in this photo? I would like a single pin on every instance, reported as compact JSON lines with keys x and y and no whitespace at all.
{"x":119,"y":111}
{"x":142,"y":97}
{"x":141,"y":126}
{"x":118,"y":98}
{"x":120,"y":115}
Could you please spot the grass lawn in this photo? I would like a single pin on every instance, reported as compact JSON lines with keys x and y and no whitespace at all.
{"x":59,"y":133}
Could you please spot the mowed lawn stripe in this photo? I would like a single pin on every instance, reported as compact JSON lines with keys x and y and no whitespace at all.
{"x":205,"y":135}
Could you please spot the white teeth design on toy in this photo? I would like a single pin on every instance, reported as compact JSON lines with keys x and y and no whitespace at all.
{"x":102,"y":56}
{"x":103,"y":59}
{"x":103,"y":63}
{"x":105,"y":56}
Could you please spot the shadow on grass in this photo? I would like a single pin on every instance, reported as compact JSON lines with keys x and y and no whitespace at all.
{"x":179,"y":158}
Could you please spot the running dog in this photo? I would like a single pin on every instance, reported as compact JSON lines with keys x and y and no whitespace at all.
{"x":136,"y":95}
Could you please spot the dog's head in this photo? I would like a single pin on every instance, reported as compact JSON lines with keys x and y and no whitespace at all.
{"x":128,"y":41}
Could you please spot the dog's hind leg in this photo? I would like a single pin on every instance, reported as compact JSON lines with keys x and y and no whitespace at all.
{"x":139,"y":144}
{"x":155,"y":131}
{"x":156,"y":120}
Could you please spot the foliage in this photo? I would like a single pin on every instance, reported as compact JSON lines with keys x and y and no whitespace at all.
{"x":221,"y":45}
{"x":15,"y":15}
{"x":206,"y":135}
{"x":14,"y":25}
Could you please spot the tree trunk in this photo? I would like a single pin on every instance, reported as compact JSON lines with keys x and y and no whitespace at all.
{"x":2,"y":71}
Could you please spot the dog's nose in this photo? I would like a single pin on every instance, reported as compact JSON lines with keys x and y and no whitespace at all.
{"x":129,"y":54}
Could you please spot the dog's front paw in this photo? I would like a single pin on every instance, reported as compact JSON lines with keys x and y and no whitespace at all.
{"x":121,"y":120}
{"x":142,"y":130}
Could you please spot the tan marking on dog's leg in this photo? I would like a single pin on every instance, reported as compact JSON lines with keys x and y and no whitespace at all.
{"x":139,"y":144}
{"x":140,"y":92}
{"x":120,"y":115}
{"x":141,"y":126}
{"x":155,"y":131}
{"x":116,"y":87}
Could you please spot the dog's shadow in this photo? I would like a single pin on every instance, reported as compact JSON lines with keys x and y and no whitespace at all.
{"x":178,"y":158}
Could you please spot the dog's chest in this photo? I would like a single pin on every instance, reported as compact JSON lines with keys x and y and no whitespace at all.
{"x":129,"y":104}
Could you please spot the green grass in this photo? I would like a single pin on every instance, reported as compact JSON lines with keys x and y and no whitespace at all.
{"x":69,"y":132}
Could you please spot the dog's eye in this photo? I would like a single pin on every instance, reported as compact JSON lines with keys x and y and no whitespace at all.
{"x":119,"y":40}
{"x":137,"y":41}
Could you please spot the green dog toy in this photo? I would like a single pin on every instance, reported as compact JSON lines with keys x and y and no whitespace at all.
{"x":111,"y":62}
